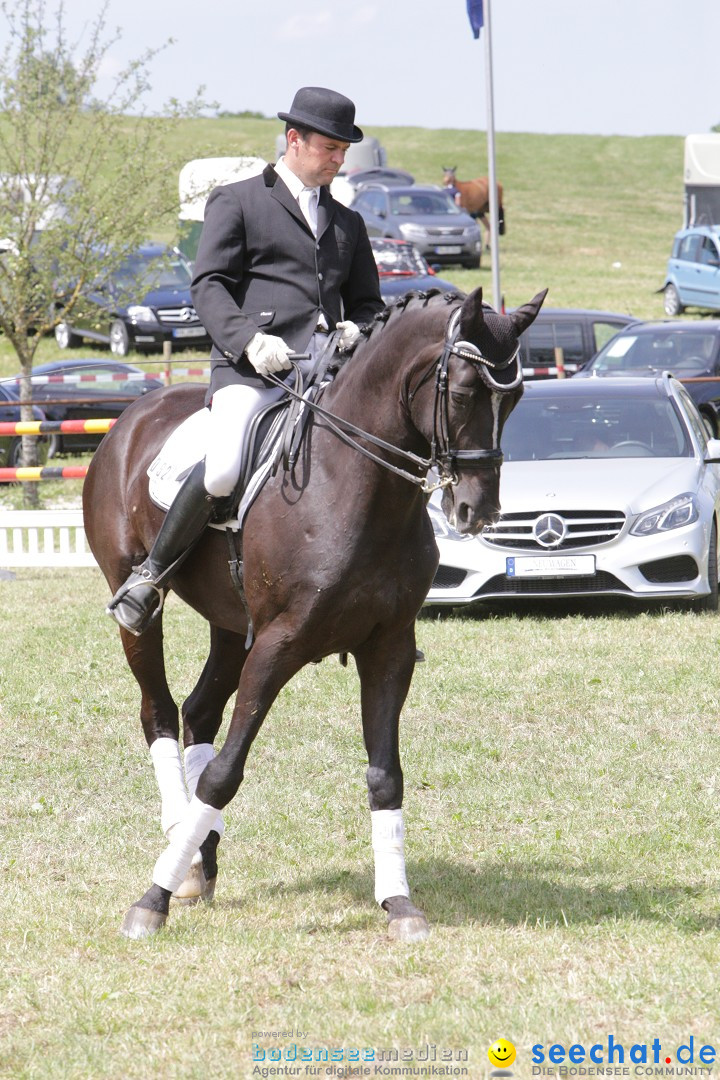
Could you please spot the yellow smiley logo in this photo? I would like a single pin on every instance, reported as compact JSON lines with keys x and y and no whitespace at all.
{"x":501,"y":1053}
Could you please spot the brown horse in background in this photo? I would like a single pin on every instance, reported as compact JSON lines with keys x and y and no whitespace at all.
{"x":474,"y":196}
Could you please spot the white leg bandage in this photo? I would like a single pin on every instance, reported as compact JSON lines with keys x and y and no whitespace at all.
{"x":165,"y":755}
{"x":388,"y":841}
{"x":174,"y":863}
{"x":196,"y":758}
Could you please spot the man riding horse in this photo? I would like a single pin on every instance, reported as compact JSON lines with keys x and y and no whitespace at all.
{"x":280,"y":265}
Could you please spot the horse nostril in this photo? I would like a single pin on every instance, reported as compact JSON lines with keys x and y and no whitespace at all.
{"x":472,"y":520}
{"x":466,"y":515}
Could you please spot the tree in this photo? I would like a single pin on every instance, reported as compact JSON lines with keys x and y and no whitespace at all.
{"x":83,"y":181}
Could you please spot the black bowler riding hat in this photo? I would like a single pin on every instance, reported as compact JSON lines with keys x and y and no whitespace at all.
{"x":325,"y":111}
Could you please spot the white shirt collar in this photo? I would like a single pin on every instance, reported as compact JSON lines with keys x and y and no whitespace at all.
{"x":293,"y":182}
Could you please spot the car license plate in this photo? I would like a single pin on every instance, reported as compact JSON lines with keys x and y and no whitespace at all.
{"x":453,"y":249}
{"x":189,"y":331}
{"x":550,"y":566}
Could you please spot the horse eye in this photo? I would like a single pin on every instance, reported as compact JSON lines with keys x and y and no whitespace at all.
{"x":460,"y":400}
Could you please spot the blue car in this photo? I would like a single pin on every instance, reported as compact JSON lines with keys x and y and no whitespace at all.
{"x":692,"y":278}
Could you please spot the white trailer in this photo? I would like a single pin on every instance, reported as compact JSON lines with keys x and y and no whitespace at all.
{"x":197,"y":180}
{"x":702,"y":179}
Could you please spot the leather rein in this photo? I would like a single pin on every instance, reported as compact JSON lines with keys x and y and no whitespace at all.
{"x":444,"y":460}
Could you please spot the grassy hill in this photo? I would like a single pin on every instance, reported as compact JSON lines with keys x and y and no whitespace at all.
{"x":590,"y":217}
{"x":575,"y":204}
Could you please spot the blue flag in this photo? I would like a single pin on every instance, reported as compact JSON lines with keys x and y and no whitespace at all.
{"x":475,"y":14}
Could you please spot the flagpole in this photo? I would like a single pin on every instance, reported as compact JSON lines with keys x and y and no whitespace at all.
{"x":493,"y":199}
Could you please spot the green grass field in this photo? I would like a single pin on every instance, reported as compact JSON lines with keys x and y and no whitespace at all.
{"x":561,"y":806}
{"x":561,"y":766}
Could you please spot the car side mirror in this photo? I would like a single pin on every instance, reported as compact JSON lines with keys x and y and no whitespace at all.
{"x":712,"y":452}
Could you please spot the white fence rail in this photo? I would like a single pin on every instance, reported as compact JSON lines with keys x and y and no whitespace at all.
{"x":43,"y":538}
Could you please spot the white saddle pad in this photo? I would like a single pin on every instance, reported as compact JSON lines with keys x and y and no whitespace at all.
{"x":180,"y":452}
{"x":183,"y":449}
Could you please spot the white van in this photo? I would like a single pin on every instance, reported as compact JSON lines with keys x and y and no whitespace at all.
{"x":197,"y":179}
{"x":702,"y":179}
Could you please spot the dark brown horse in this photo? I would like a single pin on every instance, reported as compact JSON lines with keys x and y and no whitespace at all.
{"x":339,"y":554}
{"x":474,"y":196}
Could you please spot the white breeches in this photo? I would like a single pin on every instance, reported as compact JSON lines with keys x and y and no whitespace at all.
{"x":232,"y":409}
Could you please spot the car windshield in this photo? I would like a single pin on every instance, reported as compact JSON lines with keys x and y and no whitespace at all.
{"x":399,"y":259}
{"x":153,"y":272}
{"x":552,"y":427}
{"x":682,"y":352}
{"x":421,"y":203}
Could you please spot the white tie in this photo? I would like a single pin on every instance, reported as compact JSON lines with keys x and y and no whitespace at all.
{"x":308,"y":200}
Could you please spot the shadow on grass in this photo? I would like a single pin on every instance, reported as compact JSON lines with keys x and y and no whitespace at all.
{"x":532,"y":895}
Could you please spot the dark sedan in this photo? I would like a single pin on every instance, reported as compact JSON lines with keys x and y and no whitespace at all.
{"x":10,"y":445}
{"x":402,"y":269}
{"x":689,"y":348}
{"x":87,"y":390}
{"x":141,"y":306}
{"x":579,"y":332}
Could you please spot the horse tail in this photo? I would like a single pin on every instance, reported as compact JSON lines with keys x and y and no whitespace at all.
{"x":501,"y":220}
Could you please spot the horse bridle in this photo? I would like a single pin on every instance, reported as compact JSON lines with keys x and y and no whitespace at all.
{"x":443,"y":460}
{"x":442,"y":453}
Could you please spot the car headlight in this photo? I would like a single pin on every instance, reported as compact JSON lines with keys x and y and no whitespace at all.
{"x":139,"y":313}
{"x":441,"y":525}
{"x":410,"y":231}
{"x":682,"y":510}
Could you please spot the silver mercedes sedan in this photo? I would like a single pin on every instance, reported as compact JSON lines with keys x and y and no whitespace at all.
{"x":609,"y":488}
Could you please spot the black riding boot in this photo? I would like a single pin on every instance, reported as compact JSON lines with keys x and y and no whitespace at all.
{"x":141,"y":597}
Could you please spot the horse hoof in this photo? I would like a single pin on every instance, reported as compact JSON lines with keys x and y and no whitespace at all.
{"x":195,"y":887}
{"x":411,"y":928}
{"x":140,"y":923}
{"x":405,"y":921}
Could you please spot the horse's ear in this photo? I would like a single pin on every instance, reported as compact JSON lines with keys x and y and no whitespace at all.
{"x":472,"y":311}
{"x":523,"y":316}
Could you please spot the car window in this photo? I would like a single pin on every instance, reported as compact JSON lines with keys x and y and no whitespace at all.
{"x":373,"y":202}
{"x":708,"y":252}
{"x":640,"y":354}
{"x":602,"y":332}
{"x":555,"y":427}
{"x":687,"y":248}
{"x":407,"y":204}
{"x":145,"y":272}
{"x":544,"y":337}
{"x":399,"y":259}
{"x":693,"y":418}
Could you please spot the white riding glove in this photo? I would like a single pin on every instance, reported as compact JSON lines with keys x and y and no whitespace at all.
{"x":267,"y":353}
{"x":349,"y":336}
